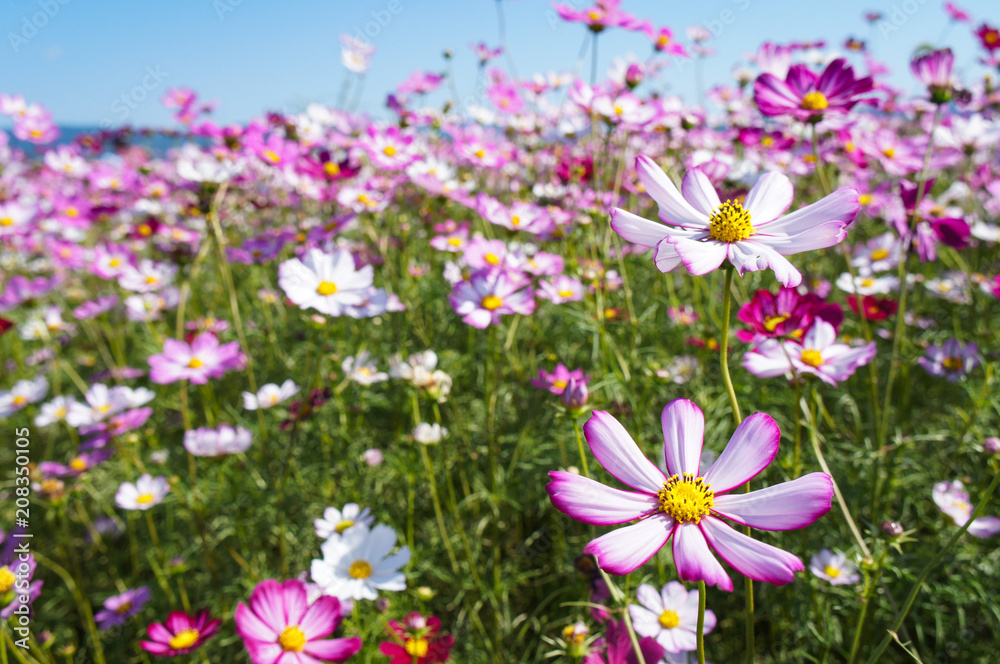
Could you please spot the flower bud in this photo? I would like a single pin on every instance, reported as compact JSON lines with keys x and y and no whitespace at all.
{"x":892,"y":529}
{"x":991,"y":446}
{"x":576,"y":394}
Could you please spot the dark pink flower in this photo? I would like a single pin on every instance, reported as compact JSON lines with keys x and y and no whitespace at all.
{"x":180,"y":634}
{"x":809,"y":96}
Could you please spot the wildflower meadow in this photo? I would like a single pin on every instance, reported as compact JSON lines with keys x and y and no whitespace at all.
{"x":576,"y":370}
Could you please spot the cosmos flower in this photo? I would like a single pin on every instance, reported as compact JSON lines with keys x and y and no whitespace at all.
{"x":144,"y":494}
{"x":834,"y":567}
{"x":359,"y":563}
{"x":786,"y":313}
{"x":119,"y":608}
{"x":270,"y":395}
{"x":491,"y":293}
{"x":417,"y":640}
{"x":819,"y":354}
{"x":429,"y":434}
{"x":362,"y":370}
{"x":808,"y":96}
{"x":280,"y":626}
{"x":702,"y":232}
{"x":335,"y":522}
{"x":23,"y":393}
{"x":16,"y":570}
{"x":198,"y":361}
{"x":688,"y":506}
{"x":325,"y":282}
{"x":933,"y":69}
{"x":953,"y":500}
{"x":556,"y":381}
{"x":224,"y":440}
{"x":180,"y":634}
{"x":952,"y":359}
{"x":670,"y":616}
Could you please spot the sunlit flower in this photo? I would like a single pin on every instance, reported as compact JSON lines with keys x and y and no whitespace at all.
{"x":120,"y":608}
{"x":359,"y":563}
{"x":224,"y":440}
{"x":335,"y":521}
{"x":180,"y":634}
{"x":147,"y":492}
{"x":270,"y":395}
{"x":834,"y":567}
{"x":670,"y":616}
{"x":953,"y":500}
{"x":325,"y":282}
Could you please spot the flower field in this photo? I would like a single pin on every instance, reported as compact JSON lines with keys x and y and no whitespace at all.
{"x":576,"y":372}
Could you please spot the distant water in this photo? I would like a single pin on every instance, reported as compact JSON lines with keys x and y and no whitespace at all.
{"x":156,"y":143}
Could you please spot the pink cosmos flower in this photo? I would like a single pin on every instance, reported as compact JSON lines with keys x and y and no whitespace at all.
{"x":953,"y":500}
{"x":688,"y":506}
{"x":952,"y":359}
{"x":557,"y":381}
{"x":957,"y":13}
{"x":819,"y":354}
{"x":663,"y":41}
{"x":806,"y":95}
{"x":280,"y":626}
{"x":491,"y":293}
{"x":933,"y":69}
{"x":703,"y":232}
{"x":561,"y":289}
{"x":180,"y":634}
{"x":204,"y":358}
{"x":119,"y":608}
{"x":785,"y":313}
{"x":603,"y":14}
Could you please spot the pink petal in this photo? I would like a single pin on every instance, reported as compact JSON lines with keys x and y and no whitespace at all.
{"x":683,"y":436}
{"x":752,"y":447}
{"x":697,"y":189}
{"x":592,"y":502}
{"x":754,"y":255}
{"x":250,"y":626}
{"x":627,"y":549}
{"x":769,"y":197}
{"x":155,"y":647}
{"x":825,"y":235}
{"x":699,"y":257}
{"x":784,"y":506}
{"x":617,"y":452}
{"x":268,"y":602}
{"x":666,"y":257}
{"x":673,"y":208}
{"x":158,"y":632}
{"x":750,"y":557}
{"x":295,"y":601}
{"x":985,"y":526}
{"x":320,"y":619}
{"x":695,"y":561}
{"x":334,"y":650}
{"x":842,"y":205}
{"x":636,"y":229}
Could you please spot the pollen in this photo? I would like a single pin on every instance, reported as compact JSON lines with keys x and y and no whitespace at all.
{"x":326,"y":288}
{"x":185,"y":639}
{"x":292,"y":639}
{"x":455,"y":242}
{"x":686,"y":498}
{"x":78,"y":464}
{"x":343,"y":525}
{"x":515,"y":220}
{"x":7,"y":579}
{"x":889,"y":152}
{"x":561,"y":384}
{"x":831,"y":571}
{"x":331,"y":168}
{"x":565,"y":293}
{"x":772,"y":322}
{"x":491,"y":303}
{"x":669,"y":619}
{"x":6,"y":221}
{"x":492,"y":259}
{"x":952,"y":363}
{"x":20,"y":400}
{"x":144,"y":498}
{"x":812,"y":357}
{"x":195,"y":363}
{"x":417,"y":647}
{"x":360,"y":569}
{"x":879,"y":254}
{"x":272,"y":156}
{"x":730,"y":222}
{"x":389,"y":151}
{"x":815,"y":101}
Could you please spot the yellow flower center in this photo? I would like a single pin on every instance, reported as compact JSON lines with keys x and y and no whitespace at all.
{"x":515,"y":220}
{"x":812,"y":357}
{"x":6,"y":221}
{"x":669,"y":619}
{"x":417,"y":647}
{"x":20,"y":401}
{"x":730,"y":223}
{"x":114,"y":262}
{"x":565,"y":293}
{"x":771,"y":322}
{"x":815,"y":101}
{"x":124,"y":608}
{"x":686,"y":498}
{"x":619,"y":110}
{"x":144,"y":498}
{"x":343,"y":525}
{"x":326,"y":288}
{"x":867,"y":283}
{"x":831,"y":571}
{"x":767,"y":141}
{"x":185,"y":639}
{"x":150,"y":280}
{"x":455,"y":242}
{"x":78,"y":464}
{"x":952,"y":363}
{"x":492,"y":259}
{"x":71,"y":212}
{"x":491,"y":302}
{"x":889,"y":152}
{"x":7,"y":579}
{"x":330,"y":168}
{"x":292,"y":639}
{"x":663,"y":40}
{"x":561,"y":384}
{"x":389,"y":151}
{"x":480,"y":153}
{"x":195,"y":363}
{"x":360,"y":569}
{"x":879,"y":254}
{"x":272,"y":156}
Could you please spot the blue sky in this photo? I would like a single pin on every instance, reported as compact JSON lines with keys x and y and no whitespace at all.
{"x":256,"y":55}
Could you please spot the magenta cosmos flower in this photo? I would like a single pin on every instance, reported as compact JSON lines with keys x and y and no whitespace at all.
{"x":281,"y":627}
{"x":702,"y":232}
{"x":490,"y":293}
{"x":807,"y":95}
{"x":204,"y":358}
{"x":933,"y":69}
{"x":687,"y":505}
{"x":180,"y":634}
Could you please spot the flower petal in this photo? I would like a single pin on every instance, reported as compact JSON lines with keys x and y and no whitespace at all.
{"x":751,"y":256}
{"x":784,"y":506}
{"x":592,"y":502}
{"x":752,"y":447}
{"x":695,"y":561}
{"x":842,"y":205}
{"x":769,"y":197}
{"x":627,"y":549}
{"x":334,"y":650}
{"x":636,"y":229}
{"x":617,"y":452}
{"x":750,"y":557}
{"x":699,"y":258}
{"x":683,"y":436}
{"x":697,"y":190}
{"x":673,"y":208}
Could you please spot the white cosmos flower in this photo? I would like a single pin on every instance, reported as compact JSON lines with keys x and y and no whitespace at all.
{"x":335,"y":522}
{"x":702,"y":232}
{"x":327,"y":283}
{"x":834,"y":567}
{"x":269,"y":395}
{"x":429,"y":434}
{"x":205,"y":442}
{"x":54,"y":411}
{"x":359,"y":563}
{"x":867,"y":284}
{"x":670,"y":616}
{"x":362,"y":370}
{"x":144,"y":494}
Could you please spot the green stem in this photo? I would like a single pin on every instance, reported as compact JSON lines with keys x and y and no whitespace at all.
{"x":579,"y":446}
{"x":701,"y":622}
{"x":81,"y":603}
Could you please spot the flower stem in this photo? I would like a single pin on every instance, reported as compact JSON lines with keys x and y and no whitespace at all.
{"x":81,"y":603}
{"x":579,"y":446}
{"x":701,"y":622}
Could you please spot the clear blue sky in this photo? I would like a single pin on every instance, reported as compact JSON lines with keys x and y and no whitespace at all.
{"x":256,"y":55}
